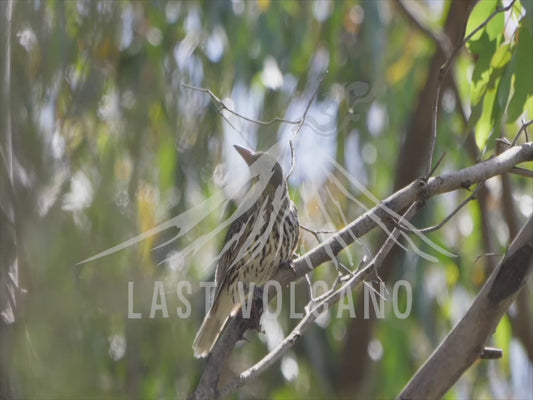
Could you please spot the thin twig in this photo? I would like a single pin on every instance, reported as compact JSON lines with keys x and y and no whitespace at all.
{"x":437,"y":164}
{"x":523,"y":128}
{"x":433,"y":139}
{"x":315,"y":234}
{"x":372,"y":288}
{"x":221,"y":106}
{"x":347,"y":271}
{"x":310,"y":230}
{"x":308,"y":107}
{"x":302,"y":122}
{"x":448,"y":217}
{"x":486,"y":255}
{"x":521,"y":171}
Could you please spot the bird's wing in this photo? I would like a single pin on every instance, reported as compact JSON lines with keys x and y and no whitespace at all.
{"x":235,"y":239}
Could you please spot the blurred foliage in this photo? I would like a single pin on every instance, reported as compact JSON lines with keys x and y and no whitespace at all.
{"x":107,"y":144}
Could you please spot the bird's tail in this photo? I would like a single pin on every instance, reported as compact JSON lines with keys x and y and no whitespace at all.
{"x":215,"y":320}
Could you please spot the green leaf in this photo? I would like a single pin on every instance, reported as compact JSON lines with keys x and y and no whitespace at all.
{"x":480,"y":14}
{"x":517,"y":9}
{"x":523,"y":77}
{"x":488,"y":67}
{"x":502,"y":56}
{"x":481,"y":73}
{"x":496,"y":26}
{"x":485,"y":125}
{"x":502,"y":94}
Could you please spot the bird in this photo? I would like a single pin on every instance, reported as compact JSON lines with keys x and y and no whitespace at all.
{"x":263,"y":236}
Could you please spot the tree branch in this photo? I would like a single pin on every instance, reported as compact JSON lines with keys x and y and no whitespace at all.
{"x":464,"y":345}
{"x":418,"y":190}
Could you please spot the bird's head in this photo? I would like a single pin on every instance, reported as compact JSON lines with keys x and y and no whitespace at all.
{"x":262,"y":166}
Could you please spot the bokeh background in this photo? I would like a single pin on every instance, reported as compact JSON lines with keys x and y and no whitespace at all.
{"x":101,"y":142}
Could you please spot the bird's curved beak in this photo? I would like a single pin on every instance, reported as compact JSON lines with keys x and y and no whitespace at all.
{"x":249,"y":155}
